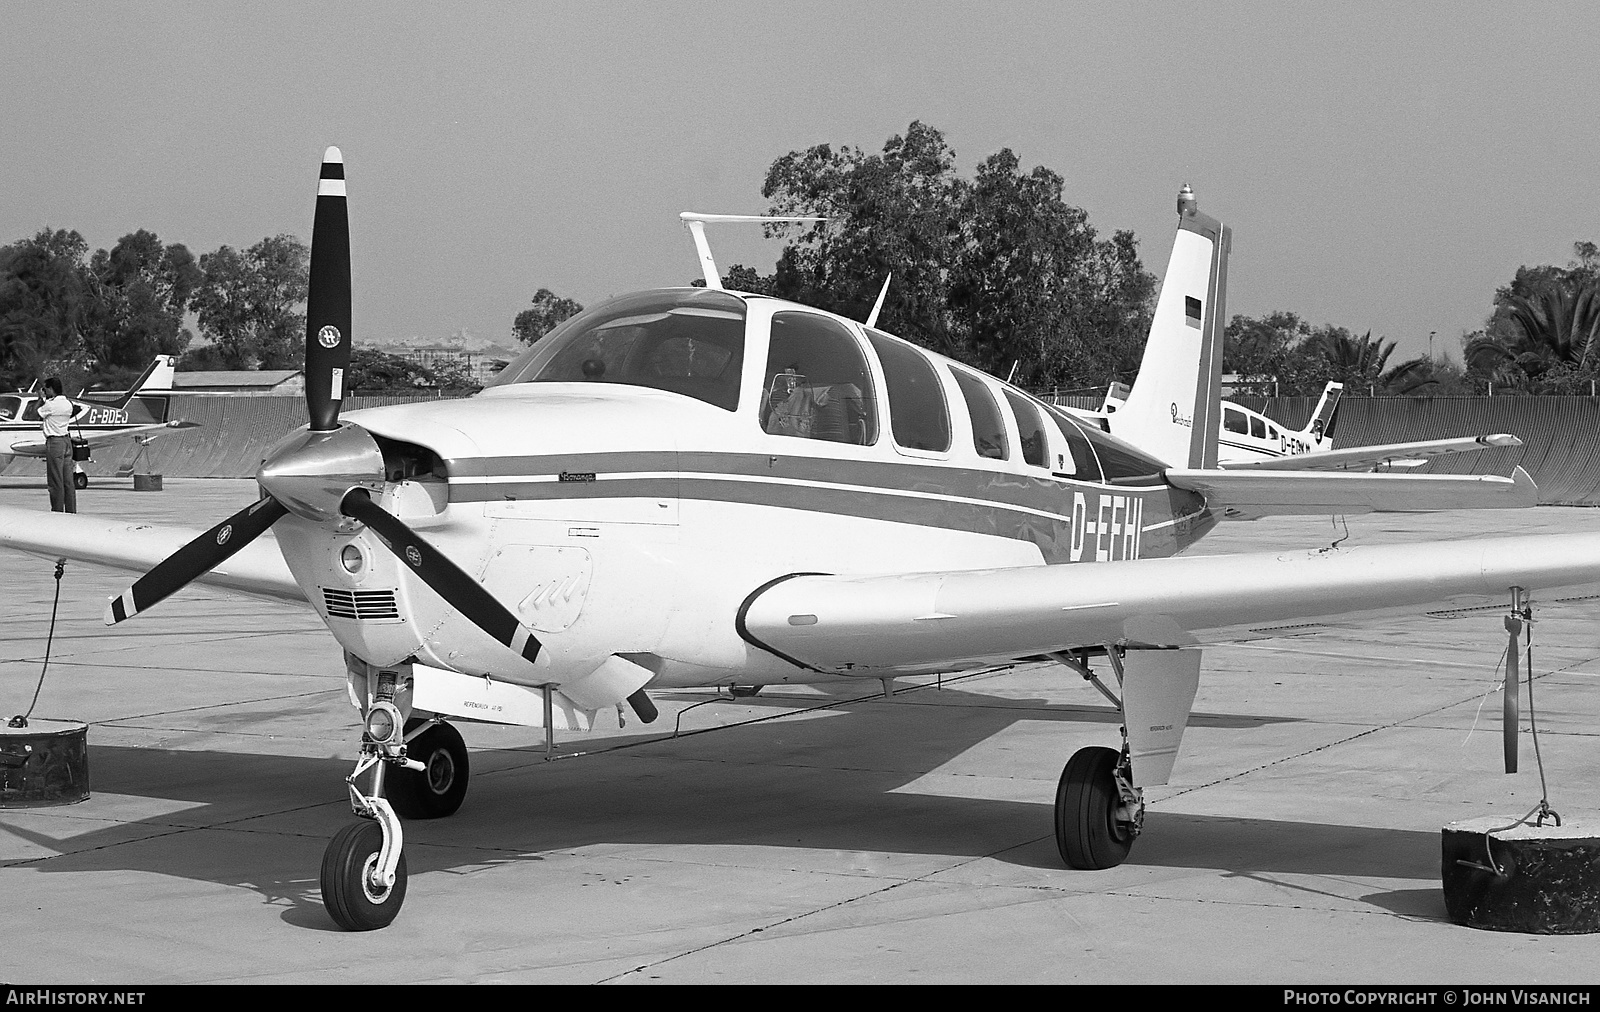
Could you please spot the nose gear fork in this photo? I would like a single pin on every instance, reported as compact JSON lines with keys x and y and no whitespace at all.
{"x":376,"y":807}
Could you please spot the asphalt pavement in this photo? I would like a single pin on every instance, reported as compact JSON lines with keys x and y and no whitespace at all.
{"x":802,"y":835}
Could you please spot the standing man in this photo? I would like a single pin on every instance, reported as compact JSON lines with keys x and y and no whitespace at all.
{"x":54,"y":414}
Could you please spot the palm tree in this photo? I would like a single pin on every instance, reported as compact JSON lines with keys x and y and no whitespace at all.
{"x":1359,"y":363}
{"x":1555,"y":330}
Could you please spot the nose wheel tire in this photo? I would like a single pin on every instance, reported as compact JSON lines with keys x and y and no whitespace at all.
{"x":352,"y":899}
{"x":80,"y":480}
{"x":1092,"y":827}
{"x":438,"y":790}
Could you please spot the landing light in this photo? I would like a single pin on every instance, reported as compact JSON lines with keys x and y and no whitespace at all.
{"x":383,"y":723}
{"x":352,"y":559}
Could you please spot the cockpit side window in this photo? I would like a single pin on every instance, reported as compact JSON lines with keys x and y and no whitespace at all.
{"x":690,"y":342}
{"x":1234,"y":421}
{"x":1083,"y":462}
{"x":918,"y":415}
{"x":988,"y":431}
{"x":817,"y":385}
{"x":1258,"y":427}
{"x":8,"y":408}
{"x":1030,"y":429}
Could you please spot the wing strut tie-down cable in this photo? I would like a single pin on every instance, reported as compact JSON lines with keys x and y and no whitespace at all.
{"x":21,"y":719}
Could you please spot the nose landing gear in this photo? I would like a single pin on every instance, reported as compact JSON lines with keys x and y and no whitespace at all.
{"x":364,"y":868}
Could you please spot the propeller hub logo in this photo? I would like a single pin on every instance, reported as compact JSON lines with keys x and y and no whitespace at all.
{"x":413,"y":556}
{"x":329,"y":337}
{"x":224,"y":534}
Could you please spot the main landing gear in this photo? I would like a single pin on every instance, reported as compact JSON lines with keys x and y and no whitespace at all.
{"x":1098,"y":810}
{"x":364,"y":867}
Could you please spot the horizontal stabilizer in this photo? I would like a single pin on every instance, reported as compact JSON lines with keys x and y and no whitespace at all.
{"x":1248,"y":494}
{"x":1381,"y":455}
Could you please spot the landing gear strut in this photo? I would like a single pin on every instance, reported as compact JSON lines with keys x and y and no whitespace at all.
{"x":364,"y":867}
{"x":1098,"y":810}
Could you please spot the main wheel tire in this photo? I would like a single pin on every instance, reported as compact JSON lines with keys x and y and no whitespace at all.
{"x":438,"y":790}
{"x":80,"y":480}
{"x":1088,"y":833}
{"x":347,"y":890}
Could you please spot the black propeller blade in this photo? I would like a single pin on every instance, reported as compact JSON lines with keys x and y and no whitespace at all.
{"x":195,"y":559}
{"x":305,"y":474}
{"x":328,"y":298}
{"x":459,"y":590}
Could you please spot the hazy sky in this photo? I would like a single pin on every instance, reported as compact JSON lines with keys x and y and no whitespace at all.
{"x":1383,"y":165}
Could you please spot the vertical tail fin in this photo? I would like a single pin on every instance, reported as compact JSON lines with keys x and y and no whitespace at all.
{"x":1174,"y":408}
{"x":158,"y":377}
{"x":1320,"y":427}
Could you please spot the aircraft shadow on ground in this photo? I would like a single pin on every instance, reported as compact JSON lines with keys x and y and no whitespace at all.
{"x":828,"y":784}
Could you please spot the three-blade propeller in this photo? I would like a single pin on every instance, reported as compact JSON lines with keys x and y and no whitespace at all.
{"x":325,"y":472}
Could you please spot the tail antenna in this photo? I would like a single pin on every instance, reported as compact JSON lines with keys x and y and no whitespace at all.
{"x":697,"y":228}
{"x":877,"y":307}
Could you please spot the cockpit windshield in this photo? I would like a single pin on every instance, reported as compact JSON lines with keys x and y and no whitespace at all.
{"x":688,"y":341}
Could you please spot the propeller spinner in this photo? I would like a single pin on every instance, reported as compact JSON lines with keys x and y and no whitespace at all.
{"x":328,"y":471}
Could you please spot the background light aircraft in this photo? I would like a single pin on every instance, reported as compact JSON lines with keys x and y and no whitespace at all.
{"x":698,"y":487}
{"x":139,"y":414}
{"x":1246,"y":439}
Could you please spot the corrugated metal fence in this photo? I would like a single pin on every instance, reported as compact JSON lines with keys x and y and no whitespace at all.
{"x":1561,"y":435}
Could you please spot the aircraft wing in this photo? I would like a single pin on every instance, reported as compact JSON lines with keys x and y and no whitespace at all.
{"x":1376,"y":456}
{"x":1249,"y":494}
{"x":258,"y":569}
{"x":33,"y":446}
{"x":927,"y":622}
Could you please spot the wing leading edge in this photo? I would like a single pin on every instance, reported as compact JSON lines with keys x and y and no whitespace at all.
{"x":948,"y":621}
{"x":258,"y":569}
{"x":34,"y":447}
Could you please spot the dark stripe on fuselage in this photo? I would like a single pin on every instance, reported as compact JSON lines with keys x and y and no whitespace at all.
{"x":1170,"y":519}
{"x":1032,"y":491}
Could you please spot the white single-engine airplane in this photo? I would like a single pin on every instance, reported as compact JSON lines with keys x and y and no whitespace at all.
{"x":699,"y":487}
{"x":139,"y":415}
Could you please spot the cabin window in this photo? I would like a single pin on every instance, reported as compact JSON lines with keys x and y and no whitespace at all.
{"x":1233,"y":420}
{"x":817,"y":384}
{"x":1030,"y":429}
{"x":1258,"y":427}
{"x":689,"y":342}
{"x":988,"y":431}
{"x":8,"y":408}
{"x":1079,"y":461}
{"x":918,"y":415}
{"x":1272,"y":431}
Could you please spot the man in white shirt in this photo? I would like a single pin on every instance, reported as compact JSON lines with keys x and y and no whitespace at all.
{"x":54,"y":414}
